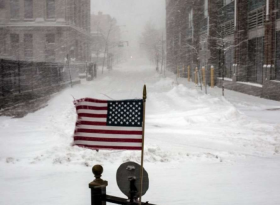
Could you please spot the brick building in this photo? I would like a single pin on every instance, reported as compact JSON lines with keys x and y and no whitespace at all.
{"x":45,"y":30}
{"x":240,"y":38}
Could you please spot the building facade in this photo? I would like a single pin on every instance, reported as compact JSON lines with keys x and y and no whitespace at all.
{"x":45,"y":30}
{"x":239,"y":38}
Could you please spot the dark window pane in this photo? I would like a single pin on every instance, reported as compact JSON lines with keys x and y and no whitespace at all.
{"x":2,"y":4}
{"x":28,"y":9}
{"x":14,"y":5}
{"x":14,"y":38}
{"x":256,"y":56}
{"x":14,"y":44}
{"x":28,"y":45}
{"x":50,"y":55}
{"x":50,"y":38}
{"x":50,"y":9}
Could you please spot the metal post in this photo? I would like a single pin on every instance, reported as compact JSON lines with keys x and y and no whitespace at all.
{"x":2,"y":76}
{"x":19,"y":74}
{"x":69,"y":69}
{"x":203,"y":75}
{"x":200,"y":78}
{"x":189,"y":73}
{"x":206,"y":76}
{"x":98,"y":187}
{"x":195,"y":76}
{"x":212,"y":77}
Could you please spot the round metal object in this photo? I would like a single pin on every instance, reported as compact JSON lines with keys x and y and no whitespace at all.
{"x":131,"y":171}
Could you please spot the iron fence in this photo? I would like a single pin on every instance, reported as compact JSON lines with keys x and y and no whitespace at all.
{"x":25,"y":76}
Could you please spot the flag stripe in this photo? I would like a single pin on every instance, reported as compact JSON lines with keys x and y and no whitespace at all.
{"x":92,"y":115}
{"x":122,"y":132}
{"x":106,"y":139}
{"x":93,"y":127}
{"x":110,"y":147}
{"x":90,"y":123}
{"x":83,"y":107}
{"x":89,"y":119}
{"x":92,"y":111}
{"x":92,"y":104}
{"x":94,"y":100}
{"x":82,"y":134}
{"x":113,"y":144}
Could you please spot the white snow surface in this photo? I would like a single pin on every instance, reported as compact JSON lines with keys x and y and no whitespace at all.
{"x":199,"y":149}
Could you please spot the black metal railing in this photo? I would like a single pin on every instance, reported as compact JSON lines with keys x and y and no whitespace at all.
{"x":23,"y":76}
{"x":22,"y":81}
{"x":256,"y":18}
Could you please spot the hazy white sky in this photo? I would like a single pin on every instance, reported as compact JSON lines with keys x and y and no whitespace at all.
{"x":132,"y":13}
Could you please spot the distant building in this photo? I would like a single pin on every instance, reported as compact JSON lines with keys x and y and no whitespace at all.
{"x":241,"y":39}
{"x":45,"y":30}
{"x":104,"y":33}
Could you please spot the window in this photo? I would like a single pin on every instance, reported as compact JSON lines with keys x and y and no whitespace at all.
{"x":14,"y":6}
{"x":50,"y":55}
{"x":50,"y":9}
{"x":277,"y":8}
{"x":14,"y":38}
{"x":2,"y":4}
{"x":50,"y":47}
{"x":2,"y":42}
{"x":28,"y":45}
{"x":191,"y":19}
{"x":14,"y":44}
{"x":226,"y":2}
{"x":28,"y":9}
{"x":255,"y":4}
{"x":50,"y":38}
{"x":256,"y":58}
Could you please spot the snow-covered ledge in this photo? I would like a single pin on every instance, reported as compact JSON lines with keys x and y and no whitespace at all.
{"x":249,"y":83}
{"x":226,"y":79}
{"x":276,"y":81}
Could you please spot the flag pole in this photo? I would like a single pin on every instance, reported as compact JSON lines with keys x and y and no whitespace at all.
{"x":143,"y":140}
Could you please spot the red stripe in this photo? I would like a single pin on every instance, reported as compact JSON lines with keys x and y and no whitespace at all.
{"x":96,"y":139}
{"x":91,"y":123}
{"x":120,"y":132}
{"x":92,"y":115}
{"x":110,"y":147}
{"x":94,"y":100}
{"x":85,"y":107}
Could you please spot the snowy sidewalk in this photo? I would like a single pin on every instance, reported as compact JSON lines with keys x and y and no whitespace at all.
{"x":200,"y":149}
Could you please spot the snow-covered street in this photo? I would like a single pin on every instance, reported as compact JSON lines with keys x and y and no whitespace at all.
{"x":200,"y":149}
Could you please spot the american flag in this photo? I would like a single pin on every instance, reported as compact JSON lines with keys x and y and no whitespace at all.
{"x":103,"y":124}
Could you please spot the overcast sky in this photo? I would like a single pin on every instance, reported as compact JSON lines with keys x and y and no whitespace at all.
{"x":132,"y":13}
